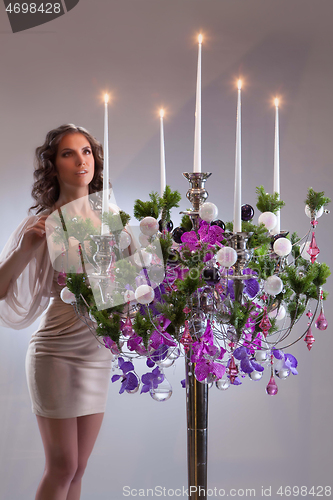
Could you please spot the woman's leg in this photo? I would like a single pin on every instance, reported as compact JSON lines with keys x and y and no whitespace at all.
{"x":60,"y":440}
{"x":88,"y":428}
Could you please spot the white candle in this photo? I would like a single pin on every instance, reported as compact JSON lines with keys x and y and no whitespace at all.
{"x":276,"y":186}
{"x":163,"y":178}
{"x":238,"y":167}
{"x":105,"y":199}
{"x":197,"y":132}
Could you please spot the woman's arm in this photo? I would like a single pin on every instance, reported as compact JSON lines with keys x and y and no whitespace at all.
{"x":16,"y":262}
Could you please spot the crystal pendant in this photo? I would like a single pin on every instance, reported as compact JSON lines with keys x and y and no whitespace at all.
{"x":265,"y":324}
{"x":313,"y":249}
{"x":321,"y":322}
{"x":127,"y":327}
{"x":309,"y":339}
{"x":186,"y":338}
{"x":233,"y":370}
{"x":272,"y":388}
{"x":223,"y":383}
{"x":162,"y":392}
{"x":62,"y":279}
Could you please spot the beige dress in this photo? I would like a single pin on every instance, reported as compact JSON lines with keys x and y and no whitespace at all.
{"x":68,"y":373}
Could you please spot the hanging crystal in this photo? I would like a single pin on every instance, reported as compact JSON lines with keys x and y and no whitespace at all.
{"x":309,"y":339}
{"x":62,"y":279}
{"x":233,"y":370}
{"x":313,"y":249}
{"x":321,"y":322}
{"x":186,"y":338}
{"x":127,"y":327}
{"x":272,"y":388}
{"x":265,"y":324}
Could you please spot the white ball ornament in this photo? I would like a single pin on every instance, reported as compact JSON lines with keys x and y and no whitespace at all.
{"x":282,"y":247}
{"x":144,"y":294}
{"x":144,"y":240}
{"x":129,"y":296}
{"x":142,"y":258}
{"x":268,"y":219}
{"x":279,"y":313}
{"x":317,"y":214}
{"x":226,"y":256}
{"x":304,"y":251}
{"x":208,"y":211}
{"x":67,"y":296}
{"x":149,"y":226}
{"x":273,"y":285}
{"x":124,"y":240}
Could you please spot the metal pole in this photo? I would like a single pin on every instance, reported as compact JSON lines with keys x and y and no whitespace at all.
{"x":197,"y":420}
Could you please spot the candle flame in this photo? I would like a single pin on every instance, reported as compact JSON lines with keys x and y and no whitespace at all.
{"x":106,"y":98}
{"x":276,"y":102}
{"x":200,"y":38}
{"x":239,"y":84}
{"x":161,"y":113}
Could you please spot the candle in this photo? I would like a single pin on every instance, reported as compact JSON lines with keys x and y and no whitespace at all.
{"x":197,"y":132}
{"x":238,"y":167}
{"x":276,"y":187}
{"x":162,"y":152}
{"x":105,"y":199}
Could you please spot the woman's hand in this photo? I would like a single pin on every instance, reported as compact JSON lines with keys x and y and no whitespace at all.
{"x":33,"y":237}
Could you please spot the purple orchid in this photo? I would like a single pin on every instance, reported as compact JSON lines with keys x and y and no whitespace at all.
{"x":191,"y":240}
{"x":135,"y":344}
{"x":160,"y":335}
{"x":251,"y":285}
{"x":151,"y":380}
{"x":111,"y":344}
{"x":247,"y":364}
{"x":210,"y":234}
{"x":204,"y":367}
{"x":287,"y":360}
{"x":204,"y":347}
{"x":129,"y":380}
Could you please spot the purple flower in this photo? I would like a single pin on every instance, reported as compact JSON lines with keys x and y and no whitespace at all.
{"x":210,"y":234}
{"x":160,"y":336}
{"x":111,"y":344}
{"x":151,"y":380}
{"x":251,"y":285}
{"x":135,"y":344}
{"x":204,"y":348}
{"x":205,"y":367}
{"x":129,"y":381}
{"x":191,"y":240}
{"x":247,"y":364}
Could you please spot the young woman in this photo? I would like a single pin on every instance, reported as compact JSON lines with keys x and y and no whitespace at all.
{"x":67,"y":374}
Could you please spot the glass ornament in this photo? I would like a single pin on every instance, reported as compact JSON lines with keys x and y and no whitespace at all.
{"x":168,"y":226}
{"x":283,"y":373}
{"x":272,"y":388}
{"x":156,"y":274}
{"x":317,"y":213}
{"x":261,"y":355}
{"x":255,"y":375}
{"x":166,"y":362}
{"x":218,"y":222}
{"x":208,"y":211}
{"x":129,"y":296}
{"x":305,"y":251}
{"x":226,"y":256}
{"x":268,"y":219}
{"x":124,"y":240}
{"x":162,"y":392}
{"x":142,"y":258}
{"x":144,"y":294}
{"x":273,"y":285}
{"x":62,"y":279}
{"x":67,"y":296}
{"x":309,"y":339}
{"x":282,"y":247}
{"x":177,"y":233}
{"x":133,"y":391}
{"x":279,"y":313}
{"x":247,"y":212}
{"x":127,"y":328}
{"x":313,"y":249}
{"x":223,"y":383}
{"x":321,"y":323}
{"x":173,"y":353}
{"x":149,"y":226}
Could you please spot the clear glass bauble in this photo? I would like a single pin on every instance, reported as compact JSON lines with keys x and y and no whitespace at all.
{"x":261,"y":356}
{"x":162,"y":392}
{"x":273,"y":285}
{"x":67,"y":296}
{"x":124,"y":240}
{"x":255,"y":375}
{"x":223,"y":383}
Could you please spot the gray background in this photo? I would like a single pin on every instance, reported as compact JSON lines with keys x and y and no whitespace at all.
{"x":145,"y":53}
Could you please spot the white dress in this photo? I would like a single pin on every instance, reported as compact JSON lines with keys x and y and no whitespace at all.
{"x":67,"y":372}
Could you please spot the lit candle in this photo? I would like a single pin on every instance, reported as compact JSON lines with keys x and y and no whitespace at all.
{"x":105,"y":199}
{"x":276,"y":187}
{"x":163,"y":180}
{"x":238,"y":167}
{"x":197,"y":132}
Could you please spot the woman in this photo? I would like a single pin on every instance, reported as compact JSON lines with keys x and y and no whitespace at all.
{"x":67,"y":374}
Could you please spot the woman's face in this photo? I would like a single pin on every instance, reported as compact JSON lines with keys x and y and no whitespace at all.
{"x":75,"y":163}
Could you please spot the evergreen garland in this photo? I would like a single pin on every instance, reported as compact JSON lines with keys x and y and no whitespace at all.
{"x":268,"y":202}
{"x":315,"y":200}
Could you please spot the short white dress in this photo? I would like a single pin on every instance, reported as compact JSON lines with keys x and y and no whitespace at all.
{"x":68,"y":371}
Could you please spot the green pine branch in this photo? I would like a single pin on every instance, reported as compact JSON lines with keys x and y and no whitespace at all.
{"x":268,"y":202}
{"x":315,"y":200}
